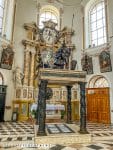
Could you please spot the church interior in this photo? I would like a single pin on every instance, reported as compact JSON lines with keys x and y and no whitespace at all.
{"x":56,"y":83}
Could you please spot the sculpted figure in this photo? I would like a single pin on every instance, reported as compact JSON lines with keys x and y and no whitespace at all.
{"x":62,"y":57}
{"x":18,"y":77}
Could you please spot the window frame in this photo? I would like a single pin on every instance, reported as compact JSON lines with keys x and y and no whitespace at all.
{"x":103,"y":27}
{"x":88,"y":39}
{"x":2,"y":17}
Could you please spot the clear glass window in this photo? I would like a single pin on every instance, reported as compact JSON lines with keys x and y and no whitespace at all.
{"x":98,"y":24}
{"x":47,"y":15}
{"x":1,"y":13}
{"x":101,"y":82}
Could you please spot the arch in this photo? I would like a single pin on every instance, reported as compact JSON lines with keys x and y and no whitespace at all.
{"x":52,"y":12}
{"x":98,"y":81}
{"x":1,"y":79}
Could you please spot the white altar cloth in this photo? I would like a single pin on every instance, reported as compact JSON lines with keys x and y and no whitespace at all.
{"x":49,"y":107}
{"x":55,"y":107}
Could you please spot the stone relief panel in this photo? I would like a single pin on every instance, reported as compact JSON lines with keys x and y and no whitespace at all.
{"x":25,"y":92}
{"x":18,"y":93}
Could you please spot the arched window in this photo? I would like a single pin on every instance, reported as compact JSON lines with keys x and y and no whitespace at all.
{"x":101,"y":82}
{"x":95,"y":23}
{"x":48,"y":13}
{"x":2,"y":5}
{"x":98,"y":82}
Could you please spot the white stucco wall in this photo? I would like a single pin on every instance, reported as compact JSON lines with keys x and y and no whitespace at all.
{"x":77,"y":26}
{"x":25,"y":13}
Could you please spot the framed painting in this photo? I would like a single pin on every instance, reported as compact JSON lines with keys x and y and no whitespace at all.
{"x":87,"y":64}
{"x":7,"y":57}
{"x":105,"y":62}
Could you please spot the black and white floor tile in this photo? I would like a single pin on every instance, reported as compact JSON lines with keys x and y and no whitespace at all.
{"x":14,"y":135}
{"x":93,"y":146}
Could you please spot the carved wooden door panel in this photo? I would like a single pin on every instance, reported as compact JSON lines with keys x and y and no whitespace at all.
{"x":98,"y":105}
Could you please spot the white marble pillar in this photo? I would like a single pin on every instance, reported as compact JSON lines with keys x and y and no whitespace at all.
{"x":26,"y":65}
{"x":32,"y":67}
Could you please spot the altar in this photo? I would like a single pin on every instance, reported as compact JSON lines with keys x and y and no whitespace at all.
{"x":53,"y":112}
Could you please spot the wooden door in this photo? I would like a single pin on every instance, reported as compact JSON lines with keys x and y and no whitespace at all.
{"x":98,"y":105}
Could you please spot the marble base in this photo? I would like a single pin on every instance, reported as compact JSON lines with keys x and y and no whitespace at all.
{"x":64,"y":139}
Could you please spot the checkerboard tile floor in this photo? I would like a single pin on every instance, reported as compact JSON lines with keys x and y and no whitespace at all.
{"x":100,"y":130}
{"x":13,"y":133}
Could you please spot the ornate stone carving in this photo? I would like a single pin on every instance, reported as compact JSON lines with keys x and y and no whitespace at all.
{"x":62,"y":57}
{"x":32,"y":30}
{"x":18,"y":77}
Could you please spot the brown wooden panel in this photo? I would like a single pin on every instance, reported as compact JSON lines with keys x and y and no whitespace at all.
{"x":98,"y":105}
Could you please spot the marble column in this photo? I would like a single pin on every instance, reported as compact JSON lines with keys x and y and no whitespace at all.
{"x":41,"y":111}
{"x":69,"y":109}
{"x":26,"y":66}
{"x":83,"y":129}
{"x":32,"y":65}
